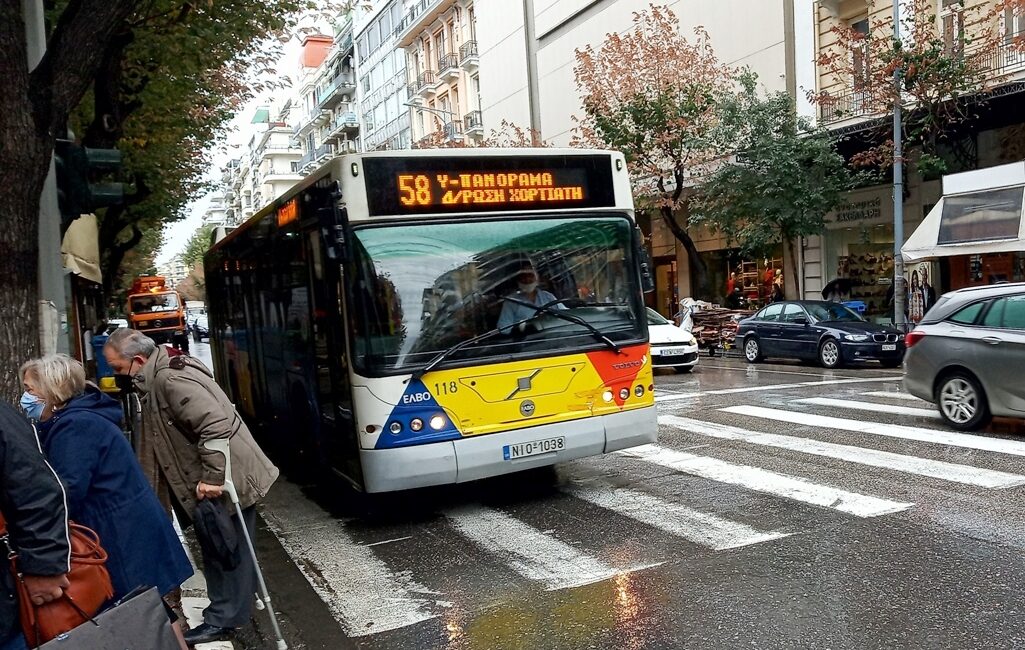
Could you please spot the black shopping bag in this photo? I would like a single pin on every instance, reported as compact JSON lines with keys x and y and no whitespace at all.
{"x":136,"y":622}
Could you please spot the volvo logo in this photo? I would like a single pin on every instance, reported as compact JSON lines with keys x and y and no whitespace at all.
{"x":526,"y":408}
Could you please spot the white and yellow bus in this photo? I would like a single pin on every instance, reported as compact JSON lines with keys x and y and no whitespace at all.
{"x":380,"y":316}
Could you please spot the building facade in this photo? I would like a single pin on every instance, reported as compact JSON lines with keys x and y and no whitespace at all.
{"x":439,"y":38}
{"x":859,"y":239}
{"x":382,"y":92}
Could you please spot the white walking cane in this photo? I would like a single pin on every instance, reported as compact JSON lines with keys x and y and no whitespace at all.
{"x":222,"y":446}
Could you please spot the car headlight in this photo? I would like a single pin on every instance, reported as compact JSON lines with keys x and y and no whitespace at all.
{"x":855,"y":337}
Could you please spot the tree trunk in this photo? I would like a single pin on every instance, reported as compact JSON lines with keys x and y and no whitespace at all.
{"x":797,"y":270}
{"x":698,"y":271}
{"x":24,"y":163}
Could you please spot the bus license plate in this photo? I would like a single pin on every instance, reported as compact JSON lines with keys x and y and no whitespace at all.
{"x":533,"y":448}
{"x":889,"y":347}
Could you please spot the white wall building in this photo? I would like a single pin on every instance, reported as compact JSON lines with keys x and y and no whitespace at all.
{"x":383,"y":88}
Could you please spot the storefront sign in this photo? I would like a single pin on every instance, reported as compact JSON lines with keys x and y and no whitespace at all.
{"x":863,"y":208}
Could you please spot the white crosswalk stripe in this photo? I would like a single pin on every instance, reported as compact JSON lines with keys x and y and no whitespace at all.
{"x":891,"y":394}
{"x":852,"y":454}
{"x":761,"y":480}
{"x":530,"y":552}
{"x":767,"y":388}
{"x":871,"y":407}
{"x":932,"y":436}
{"x":363,"y":594}
{"x":699,"y":527}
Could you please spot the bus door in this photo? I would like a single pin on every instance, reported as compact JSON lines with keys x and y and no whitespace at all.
{"x":333,"y":390}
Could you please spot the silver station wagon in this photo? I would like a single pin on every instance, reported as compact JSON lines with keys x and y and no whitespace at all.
{"x":967,"y":355}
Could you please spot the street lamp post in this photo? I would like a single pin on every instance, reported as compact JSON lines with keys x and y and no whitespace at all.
{"x":899,"y":295}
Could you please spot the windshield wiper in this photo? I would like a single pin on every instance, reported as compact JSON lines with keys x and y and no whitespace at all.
{"x":547,"y":308}
{"x":558,"y":313}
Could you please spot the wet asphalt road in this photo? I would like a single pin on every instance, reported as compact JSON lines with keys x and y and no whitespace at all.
{"x":823,"y":509}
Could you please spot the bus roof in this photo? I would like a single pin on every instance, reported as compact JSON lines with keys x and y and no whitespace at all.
{"x":404,"y":184}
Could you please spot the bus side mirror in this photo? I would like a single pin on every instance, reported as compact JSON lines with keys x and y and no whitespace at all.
{"x":644,"y":262}
{"x":334,"y":229}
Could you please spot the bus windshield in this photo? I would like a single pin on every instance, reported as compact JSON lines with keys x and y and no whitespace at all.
{"x":426,"y":287}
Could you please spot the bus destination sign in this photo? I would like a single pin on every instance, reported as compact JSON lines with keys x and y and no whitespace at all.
{"x":398,"y":186}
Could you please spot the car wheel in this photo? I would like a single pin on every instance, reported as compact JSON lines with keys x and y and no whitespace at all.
{"x":962,"y":402}
{"x":829,"y":354}
{"x":752,"y":350}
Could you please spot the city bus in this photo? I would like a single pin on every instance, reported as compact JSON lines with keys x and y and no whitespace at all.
{"x":430,"y":317}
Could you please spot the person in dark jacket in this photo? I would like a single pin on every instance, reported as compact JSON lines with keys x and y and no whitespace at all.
{"x":106,"y":489}
{"x":32,"y":502}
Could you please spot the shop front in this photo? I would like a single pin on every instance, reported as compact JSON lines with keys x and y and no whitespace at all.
{"x":975,"y":234}
{"x":739,"y":281}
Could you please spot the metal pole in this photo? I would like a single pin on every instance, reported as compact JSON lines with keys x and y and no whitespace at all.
{"x":533,"y":92}
{"x":899,"y":295}
{"x":51,"y":265}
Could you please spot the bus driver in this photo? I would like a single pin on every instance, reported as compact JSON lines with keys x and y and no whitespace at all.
{"x":529,"y":292}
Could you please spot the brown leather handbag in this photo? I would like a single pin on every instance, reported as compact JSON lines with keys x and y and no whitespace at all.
{"x":89,"y":590}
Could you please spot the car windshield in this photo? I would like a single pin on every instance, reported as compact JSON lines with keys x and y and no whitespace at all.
{"x":154,"y":302}
{"x":426,"y":287}
{"x":655,"y":318}
{"x":832,"y":311}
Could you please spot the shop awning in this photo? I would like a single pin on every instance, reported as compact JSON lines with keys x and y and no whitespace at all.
{"x":980,"y":212}
{"x":81,"y":248}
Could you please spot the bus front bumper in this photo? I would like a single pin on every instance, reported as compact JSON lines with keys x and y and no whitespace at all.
{"x":470,"y":459}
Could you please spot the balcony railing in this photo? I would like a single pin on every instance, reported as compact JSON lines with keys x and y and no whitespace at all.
{"x":312,"y":156}
{"x":426,"y":81}
{"x":453,"y":130}
{"x":988,"y":62}
{"x":473,"y":122}
{"x":335,"y":87}
{"x":413,"y":16}
{"x":468,"y":52}
{"x":448,"y":63}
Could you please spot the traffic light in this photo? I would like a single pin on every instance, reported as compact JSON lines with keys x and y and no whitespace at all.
{"x":78,"y":189}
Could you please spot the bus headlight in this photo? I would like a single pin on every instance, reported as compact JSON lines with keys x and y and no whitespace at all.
{"x":639,"y":390}
{"x":438,"y":422}
{"x":624,"y":393}
{"x":607,"y":396}
{"x":416,"y":424}
{"x":395,"y":428}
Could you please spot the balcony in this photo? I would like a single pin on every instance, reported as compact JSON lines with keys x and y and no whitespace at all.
{"x":346,"y":146}
{"x":344,"y":125}
{"x":473,"y":123}
{"x":846,"y":106}
{"x":468,"y":57}
{"x":426,"y":83}
{"x":311,"y":121}
{"x":312,"y":158}
{"x":419,"y":16}
{"x":448,"y":66}
{"x":453,"y":130}
{"x":342,"y":84}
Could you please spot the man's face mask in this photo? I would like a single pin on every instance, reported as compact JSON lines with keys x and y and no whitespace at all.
{"x":32,"y":406}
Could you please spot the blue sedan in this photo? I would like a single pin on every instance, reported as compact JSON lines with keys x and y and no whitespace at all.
{"x":816,"y":330}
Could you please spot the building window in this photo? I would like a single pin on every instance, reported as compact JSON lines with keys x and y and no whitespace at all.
{"x":861,"y":61}
{"x":1014,"y":25}
{"x":952,"y":25}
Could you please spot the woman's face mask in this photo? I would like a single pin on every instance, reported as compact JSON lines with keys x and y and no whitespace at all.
{"x":32,"y":406}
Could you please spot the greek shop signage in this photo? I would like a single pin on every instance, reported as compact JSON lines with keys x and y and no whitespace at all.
{"x":861,"y":210}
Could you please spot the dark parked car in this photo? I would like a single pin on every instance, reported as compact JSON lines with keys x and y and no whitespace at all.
{"x":967,"y":354}
{"x":818,"y":330}
{"x":200,"y":328}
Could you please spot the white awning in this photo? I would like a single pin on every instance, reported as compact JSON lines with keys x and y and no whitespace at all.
{"x":981,"y":212}
{"x":81,"y":248}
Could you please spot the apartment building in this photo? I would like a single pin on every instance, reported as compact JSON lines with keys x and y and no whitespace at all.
{"x":439,"y":38}
{"x":214,"y":214}
{"x":859,"y":239}
{"x":382,"y":91}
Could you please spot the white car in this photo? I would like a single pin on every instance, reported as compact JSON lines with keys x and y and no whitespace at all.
{"x":671,"y":346}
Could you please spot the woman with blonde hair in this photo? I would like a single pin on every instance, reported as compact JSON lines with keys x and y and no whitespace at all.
{"x":106,"y":490}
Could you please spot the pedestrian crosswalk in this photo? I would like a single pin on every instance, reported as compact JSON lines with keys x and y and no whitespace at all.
{"x":791,"y":451}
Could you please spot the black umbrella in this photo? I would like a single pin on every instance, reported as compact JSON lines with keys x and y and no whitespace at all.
{"x":837,"y":286}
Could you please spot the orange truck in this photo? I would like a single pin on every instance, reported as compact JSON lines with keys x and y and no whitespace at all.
{"x":157,"y":311}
